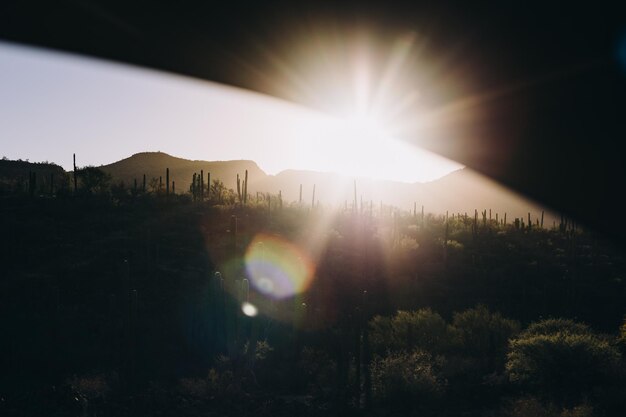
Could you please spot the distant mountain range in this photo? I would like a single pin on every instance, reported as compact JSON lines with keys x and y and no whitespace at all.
{"x":461,"y":191}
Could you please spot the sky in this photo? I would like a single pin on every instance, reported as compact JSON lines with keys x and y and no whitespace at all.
{"x":55,"y":104}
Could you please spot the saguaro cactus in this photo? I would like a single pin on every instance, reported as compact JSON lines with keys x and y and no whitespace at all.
{"x":167,"y":181}
{"x":245,"y":189}
{"x":239,"y":190}
{"x":202,"y":185}
{"x":193,"y":187}
{"x":75,"y":182}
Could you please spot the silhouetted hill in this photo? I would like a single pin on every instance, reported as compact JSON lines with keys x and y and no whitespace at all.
{"x":154,"y":164}
{"x":461,"y":191}
{"x":14,"y":176}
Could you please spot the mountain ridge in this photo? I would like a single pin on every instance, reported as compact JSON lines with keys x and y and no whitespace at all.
{"x":461,"y":191}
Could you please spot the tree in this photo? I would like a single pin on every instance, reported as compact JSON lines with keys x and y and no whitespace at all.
{"x":562,"y":360}
{"x":153,"y":185}
{"x":484,"y":336}
{"x":93,"y":180}
{"x":407,"y":330}
{"x":407,"y":380}
{"x":217,"y":190}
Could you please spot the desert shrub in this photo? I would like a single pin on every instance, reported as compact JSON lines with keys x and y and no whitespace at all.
{"x":533,"y":407}
{"x":528,"y":407}
{"x":551,"y":326}
{"x":562,"y":360}
{"x":408,"y":330}
{"x":484,"y":336}
{"x":407,"y":380}
{"x":584,"y":410}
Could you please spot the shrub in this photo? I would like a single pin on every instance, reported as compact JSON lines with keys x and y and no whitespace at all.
{"x":533,"y":407}
{"x":484,"y":336}
{"x":408,"y":330}
{"x":406,"y":379}
{"x":562,"y":360}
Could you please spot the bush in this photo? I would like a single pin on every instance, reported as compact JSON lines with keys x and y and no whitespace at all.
{"x":406,"y":380}
{"x":562,"y":360}
{"x":533,"y":407}
{"x":484,"y":336}
{"x":409,"y":330}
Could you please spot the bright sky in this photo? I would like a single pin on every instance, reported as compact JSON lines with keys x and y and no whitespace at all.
{"x":53,"y":105}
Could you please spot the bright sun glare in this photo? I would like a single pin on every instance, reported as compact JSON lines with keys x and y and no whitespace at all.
{"x":373,"y":106}
{"x":356,"y":137}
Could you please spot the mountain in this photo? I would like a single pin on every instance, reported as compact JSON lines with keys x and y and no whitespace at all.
{"x":461,"y":191}
{"x":16,"y":175}
{"x":154,"y":164}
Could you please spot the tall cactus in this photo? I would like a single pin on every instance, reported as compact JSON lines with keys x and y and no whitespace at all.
{"x":193,"y":187}
{"x":75,"y":182}
{"x":239,"y":190}
{"x":201,"y":185}
{"x":167,"y":182}
{"x":245,"y":189}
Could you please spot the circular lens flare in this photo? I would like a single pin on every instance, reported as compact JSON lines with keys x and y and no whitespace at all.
{"x":277,"y":267}
{"x":249,"y":310}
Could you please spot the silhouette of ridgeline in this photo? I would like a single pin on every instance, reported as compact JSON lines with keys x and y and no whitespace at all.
{"x":41,"y":178}
{"x":153,"y":165}
{"x":461,"y":191}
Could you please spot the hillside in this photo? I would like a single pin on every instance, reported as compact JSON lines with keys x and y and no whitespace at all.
{"x":458,"y":192}
{"x":14,"y":176}
{"x":154,"y":164}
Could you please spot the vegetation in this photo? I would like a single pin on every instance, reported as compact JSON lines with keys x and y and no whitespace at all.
{"x":126,"y":299}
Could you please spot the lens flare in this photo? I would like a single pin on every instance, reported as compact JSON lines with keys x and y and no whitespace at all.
{"x":249,"y":310}
{"x":277,"y":267}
